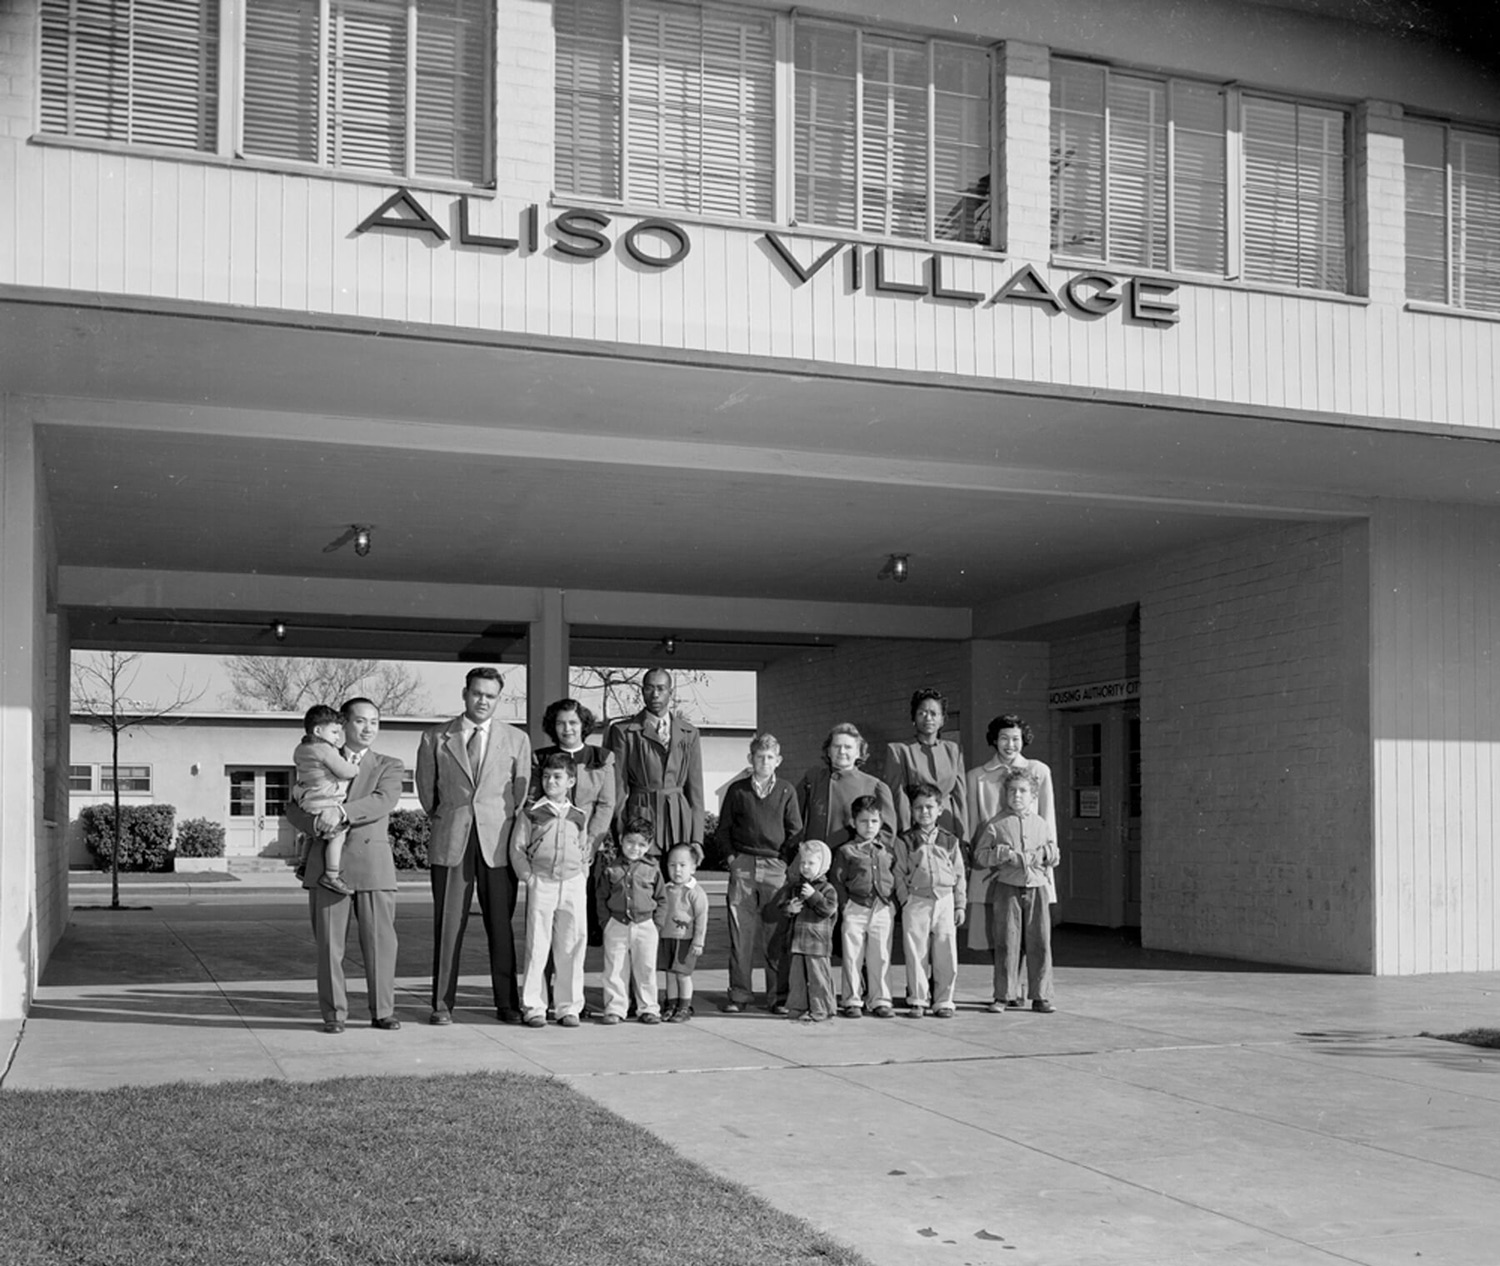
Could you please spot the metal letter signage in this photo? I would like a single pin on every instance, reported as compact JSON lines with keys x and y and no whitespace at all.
{"x":659,"y":244}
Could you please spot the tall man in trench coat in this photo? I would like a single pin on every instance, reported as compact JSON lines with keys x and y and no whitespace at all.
{"x":659,"y":767}
{"x":472,"y":774}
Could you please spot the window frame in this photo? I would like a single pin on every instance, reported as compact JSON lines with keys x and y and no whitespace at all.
{"x":1450,"y":229}
{"x":81,"y":773}
{"x":1236,"y":183}
{"x":128,"y":774}
{"x":785,"y":122}
{"x":230,"y":110}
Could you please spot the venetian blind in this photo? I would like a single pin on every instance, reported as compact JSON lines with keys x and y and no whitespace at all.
{"x":701,"y":87}
{"x":1136,"y":202}
{"x":826,"y":132}
{"x":1426,"y":212}
{"x":587,"y":97}
{"x":143,"y":72}
{"x":328,"y":82}
{"x":1294,"y":214}
{"x":1200,"y":176}
{"x":1078,"y":159}
{"x":1475,"y":228}
{"x":893,"y":139}
{"x":961,"y":137}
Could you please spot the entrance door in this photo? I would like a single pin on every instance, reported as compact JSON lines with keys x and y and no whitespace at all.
{"x":257,"y":800}
{"x":1099,"y":817}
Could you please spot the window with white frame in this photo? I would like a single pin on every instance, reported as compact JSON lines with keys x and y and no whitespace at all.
{"x":133,"y":778}
{"x":80,"y":778}
{"x":1187,"y":176}
{"x":680,"y":106}
{"x":388,"y":87}
{"x":1452,"y":216}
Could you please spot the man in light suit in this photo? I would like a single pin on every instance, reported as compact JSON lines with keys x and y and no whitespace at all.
{"x":368,"y":868}
{"x":471,"y":778}
{"x":659,"y":767}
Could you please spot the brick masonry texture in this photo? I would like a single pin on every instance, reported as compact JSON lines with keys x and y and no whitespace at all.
{"x":1255,"y":766}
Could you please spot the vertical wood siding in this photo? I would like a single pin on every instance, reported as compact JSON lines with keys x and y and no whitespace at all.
{"x":1435,"y":683}
{"x":121,"y":224}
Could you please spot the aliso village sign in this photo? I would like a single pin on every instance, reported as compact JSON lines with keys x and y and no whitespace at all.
{"x":579,"y":233}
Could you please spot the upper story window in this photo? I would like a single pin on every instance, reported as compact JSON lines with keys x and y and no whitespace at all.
{"x":1186,"y":176}
{"x":389,"y":87}
{"x":1452,"y":216}
{"x":690,"y":107}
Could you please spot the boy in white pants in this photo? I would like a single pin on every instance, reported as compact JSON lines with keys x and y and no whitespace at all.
{"x":629,"y":893}
{"x":863,"y":876}
{"x":549,"y":851}
{"x":930,"y":887}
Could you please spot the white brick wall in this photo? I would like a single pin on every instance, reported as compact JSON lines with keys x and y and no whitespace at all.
{"x":1025,"y":122}
{"x":523,"y":100}
{"x":1379,"y":195}
{"x":1255,"y":757}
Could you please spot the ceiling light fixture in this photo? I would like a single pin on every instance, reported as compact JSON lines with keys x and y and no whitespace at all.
{"x":278,"y":627}
{"x":896,"y":568}
{"x":361,"y":541}
{"x":669,"y":644}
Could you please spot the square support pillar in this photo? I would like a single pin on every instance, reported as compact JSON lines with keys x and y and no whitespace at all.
{"x":22,"y":673}
{"x":547,"y":662}
{"x":1025,"y":87}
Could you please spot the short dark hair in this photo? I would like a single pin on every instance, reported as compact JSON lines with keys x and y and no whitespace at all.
{"x":558,"y":760}
{"x":485,"y":672}
{"x":639,"y":825}
{"x":863,"y":804}
{"x":556,"y":708}
{"x":349,"y":705}
{"x":320,"y":714}
{"x":693,"y":850}
{"x":1007,"y":721}
{"x":915,"y":791}
{"x":926,"y":693}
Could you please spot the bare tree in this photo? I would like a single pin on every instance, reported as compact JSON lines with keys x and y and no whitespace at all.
{"x":101,"y":692}
{"x":292,"y":684}
{"x":618,"y":690}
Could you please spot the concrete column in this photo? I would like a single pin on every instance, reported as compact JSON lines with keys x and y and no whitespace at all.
{"x":547,"y":661}
{"x":1379,"y":197}
{"x":22,"y":656}
{"x":1025,"y":86}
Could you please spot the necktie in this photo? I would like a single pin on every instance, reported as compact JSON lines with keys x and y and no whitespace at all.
{"x":476,"y":747}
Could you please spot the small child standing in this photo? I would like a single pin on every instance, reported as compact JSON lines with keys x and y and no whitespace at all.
{"x":1023,"y":846}
{"x":627,"y":897}
{"x":809,"y":906}
{"x":862,"y":875}
{"x":929,"y":875}
{"x":323,"y":778}
{"x":549,"y":851}
{"x":682,"y":919}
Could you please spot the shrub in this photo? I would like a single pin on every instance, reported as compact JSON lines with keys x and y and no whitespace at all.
{"x":145,"y":834}
{"x":200,"y":837}
{"x":408,"y":831}
{"x":713,"y":856}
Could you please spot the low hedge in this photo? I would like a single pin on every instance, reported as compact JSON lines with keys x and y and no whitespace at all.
{"x":200,"y":837}
{"x":409,"y":830}
{"x":145,"y":835}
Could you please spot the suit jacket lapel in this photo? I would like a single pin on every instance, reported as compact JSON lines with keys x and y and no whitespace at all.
{"x":362,"y":780}
{"x":455,"y":745}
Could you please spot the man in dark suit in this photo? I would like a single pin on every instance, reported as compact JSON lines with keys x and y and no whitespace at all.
{"x":368,"y":868}
{"x":472,"y":773}
{"x":659,"y":767}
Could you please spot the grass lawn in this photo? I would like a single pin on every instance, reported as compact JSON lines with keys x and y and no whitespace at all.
{"x":1471,"y":1037}
{"x":488,"y":1169}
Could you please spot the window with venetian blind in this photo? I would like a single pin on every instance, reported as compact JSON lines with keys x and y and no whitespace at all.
{"x":1452,"y":216}
{"x":678,"y":106}
{"x":1186,"y":176}
{"x":389,"y":87}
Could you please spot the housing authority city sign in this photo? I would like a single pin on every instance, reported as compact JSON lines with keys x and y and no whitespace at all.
{"x":659,"y":244}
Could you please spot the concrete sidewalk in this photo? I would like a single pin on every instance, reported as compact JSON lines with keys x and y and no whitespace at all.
{"x":1174,"y":1110}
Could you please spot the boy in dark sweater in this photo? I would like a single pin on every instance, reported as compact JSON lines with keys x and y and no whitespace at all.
{"x":757,"y":822}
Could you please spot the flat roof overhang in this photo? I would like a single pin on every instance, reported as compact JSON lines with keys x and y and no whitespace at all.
{"x":197,"y":438}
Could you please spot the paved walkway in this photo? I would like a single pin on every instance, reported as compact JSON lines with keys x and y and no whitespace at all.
{"x":1175,"y":1110}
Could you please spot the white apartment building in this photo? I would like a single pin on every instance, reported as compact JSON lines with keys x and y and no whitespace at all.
{"x":1157,"y":342}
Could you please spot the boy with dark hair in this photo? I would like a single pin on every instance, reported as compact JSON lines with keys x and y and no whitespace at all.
{"x":629,"y":893}
{"x":929,"y":875}
{"x":863,"y":876}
